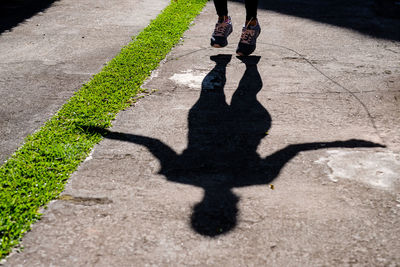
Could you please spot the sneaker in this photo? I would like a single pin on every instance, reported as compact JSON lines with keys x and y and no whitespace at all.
{"x":247,"y":43}
{"x":221,"y":33}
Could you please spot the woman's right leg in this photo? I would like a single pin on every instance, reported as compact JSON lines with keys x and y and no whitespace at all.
{"x":223,"y":27}
{"x":221,"y":6}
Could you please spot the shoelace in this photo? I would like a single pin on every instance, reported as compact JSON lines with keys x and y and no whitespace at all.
{"x":220,"y":29}
{"x":247,"y":36}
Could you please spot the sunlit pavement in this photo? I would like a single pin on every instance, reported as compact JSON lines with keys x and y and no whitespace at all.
{"x":287,"y":158}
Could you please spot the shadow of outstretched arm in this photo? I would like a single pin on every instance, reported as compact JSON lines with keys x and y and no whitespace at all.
{"x":161,"y":151}
{"x":274,"y":163}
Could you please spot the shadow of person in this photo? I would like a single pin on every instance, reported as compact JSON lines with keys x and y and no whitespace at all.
{"x":222,"y":144}
{"x":222,"y":147}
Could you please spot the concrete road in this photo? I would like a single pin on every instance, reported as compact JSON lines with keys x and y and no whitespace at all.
{"x":48,"y":56}
{"x":287,"y":158}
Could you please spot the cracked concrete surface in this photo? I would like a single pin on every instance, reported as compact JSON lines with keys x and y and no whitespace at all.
{"x":46,"y":58}
{"x":125,"y":206}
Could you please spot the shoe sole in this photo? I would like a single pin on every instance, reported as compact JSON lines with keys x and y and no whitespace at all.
{"x":215,"y":45}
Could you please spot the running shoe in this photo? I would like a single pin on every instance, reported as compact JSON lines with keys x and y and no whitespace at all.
{"x":247,"y":43}
{"x":221,"y":32}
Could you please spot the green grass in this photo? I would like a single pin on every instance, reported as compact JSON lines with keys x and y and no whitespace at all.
{"x":37,"y":172}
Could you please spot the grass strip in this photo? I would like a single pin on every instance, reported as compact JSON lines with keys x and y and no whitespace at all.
{"x":38,"y":171}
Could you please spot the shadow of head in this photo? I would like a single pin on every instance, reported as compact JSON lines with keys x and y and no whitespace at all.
{"x":216,"y":214}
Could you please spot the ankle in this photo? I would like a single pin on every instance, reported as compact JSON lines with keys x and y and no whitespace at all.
{"x":223,"y":18}
{"x":252,"y":22}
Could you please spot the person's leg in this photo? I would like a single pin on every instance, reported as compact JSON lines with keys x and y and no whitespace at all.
{"x":221,"y":6}
{"x":223,"y":27}
{"x":251,"y":11}
{"x":250,"y":31}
